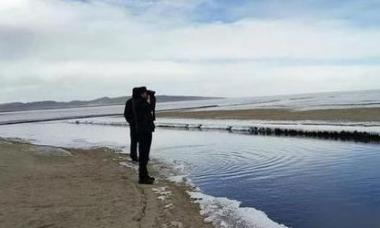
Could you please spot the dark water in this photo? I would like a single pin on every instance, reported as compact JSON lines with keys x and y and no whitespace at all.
{"x":296,"y":182}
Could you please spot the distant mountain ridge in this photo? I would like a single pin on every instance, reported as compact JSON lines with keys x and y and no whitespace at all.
{"x":103,"y":101}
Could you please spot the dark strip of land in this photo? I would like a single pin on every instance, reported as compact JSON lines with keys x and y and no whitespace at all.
{"x":341,"y":115}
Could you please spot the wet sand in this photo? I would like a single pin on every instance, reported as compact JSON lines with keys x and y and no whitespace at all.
{"x":43,"y":187}
{"x":349,"y":114}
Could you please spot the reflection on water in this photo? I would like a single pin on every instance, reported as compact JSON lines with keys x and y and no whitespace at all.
{"x":297,"y":182}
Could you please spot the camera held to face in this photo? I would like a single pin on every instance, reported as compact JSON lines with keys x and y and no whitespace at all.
{"x":151,"y":93}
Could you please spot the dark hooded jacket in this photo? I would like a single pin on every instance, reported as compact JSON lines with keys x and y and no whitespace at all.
{"x":128,"y":110}
{"x":139,"y":107}
{"x":144,"y":114}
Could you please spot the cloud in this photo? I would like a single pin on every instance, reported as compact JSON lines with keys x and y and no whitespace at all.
{"x":98,"y":48}
{"x":67,"y":31}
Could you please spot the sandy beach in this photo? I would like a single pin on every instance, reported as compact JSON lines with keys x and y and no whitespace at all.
{"x":340,"y":115}
{"x":43,"y":187}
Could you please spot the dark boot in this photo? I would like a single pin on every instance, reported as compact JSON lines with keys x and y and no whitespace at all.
{"x":146,"y":181}
{"x":134,"y":158}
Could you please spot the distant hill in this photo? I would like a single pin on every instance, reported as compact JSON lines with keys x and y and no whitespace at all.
{"x":103,"y":101}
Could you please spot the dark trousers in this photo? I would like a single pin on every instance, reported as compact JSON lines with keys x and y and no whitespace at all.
{"x":145,"y":141}
{"x":134,"y":138}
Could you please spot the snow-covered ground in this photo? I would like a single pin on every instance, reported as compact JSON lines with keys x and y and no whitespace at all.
{"x":304,"y":101}
{"x":299,"y":102}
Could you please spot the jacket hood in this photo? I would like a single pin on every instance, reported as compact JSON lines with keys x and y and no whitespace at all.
{"x":137,"y":91}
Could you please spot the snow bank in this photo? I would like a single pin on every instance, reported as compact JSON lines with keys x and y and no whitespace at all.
{"x":226,"y":213}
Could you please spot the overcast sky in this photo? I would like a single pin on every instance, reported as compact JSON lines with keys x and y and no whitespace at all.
{"x":84,"y":49}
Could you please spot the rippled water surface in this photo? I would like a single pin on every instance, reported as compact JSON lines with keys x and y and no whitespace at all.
{"x":297,"y":182}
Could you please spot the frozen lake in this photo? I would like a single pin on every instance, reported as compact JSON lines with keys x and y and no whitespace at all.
{"x":296,"y":182}
{"x":353,"y":99}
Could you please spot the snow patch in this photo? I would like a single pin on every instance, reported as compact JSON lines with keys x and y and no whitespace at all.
{"x":178,"y":179}
{"x":163,"y":193}
{"x":226,"y":213}
{"x":129,"y":165}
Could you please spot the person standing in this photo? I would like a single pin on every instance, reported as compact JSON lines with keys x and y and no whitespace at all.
{"x":143,"y":105}
{"x":144,"y":109}
{"x":129,"y":117}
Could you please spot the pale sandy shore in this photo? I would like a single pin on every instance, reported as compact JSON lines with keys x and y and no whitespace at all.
{"x":43,"y":187}
{"x":348,"y":114}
